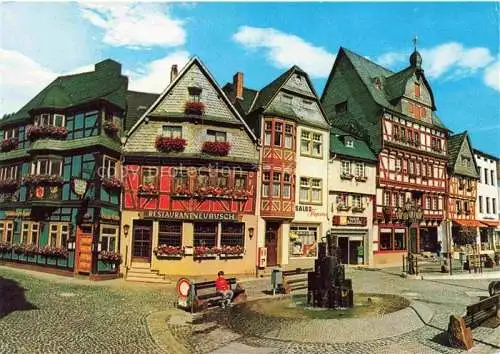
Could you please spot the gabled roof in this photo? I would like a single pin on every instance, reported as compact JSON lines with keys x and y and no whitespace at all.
{"x":360,"y":149}
{"x":193,"y":61}
{"x":455,"y":143}
{"x":137,"y":103}
{"x":245,"y":104}
{"x":104,"y":83}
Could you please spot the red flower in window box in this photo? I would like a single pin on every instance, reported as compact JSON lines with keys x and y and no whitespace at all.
{"x":147,"y":190}
{"x":9,"y":185}
{"x":110,"y":257}
{"x":166,"y":144}
{"x":232,"y":250}
{"x":216,"y":148}
{"x":164,"y":250}
{"x":5,"y":247}
{"x":56,"y":252}
{"x":194,"y":108}
{"x":111,"y":183}
{"x":203,"y":251}
{"x":9,"y":144}
{"x":47,"y":131}
{"x":50,"y":180}
{"x":110,"y":128}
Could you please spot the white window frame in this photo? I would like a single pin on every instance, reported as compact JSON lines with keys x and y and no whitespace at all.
{"x":171,"y":131}
{"x":36,"y":165}
{"x":216,"y":135}
{"x":357,"y":201}
{"x":59,"y":230}
{"x":6,"y":228}
{"x":309,"y":184}
{"x":105,"y":238}
{"x":360,"y":169}
{"x":346,"y":167}
{"x":32,"y":230}
{"x":109,"y":163}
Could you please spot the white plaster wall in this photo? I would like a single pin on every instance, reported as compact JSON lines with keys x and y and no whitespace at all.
{"x":487,"y":190}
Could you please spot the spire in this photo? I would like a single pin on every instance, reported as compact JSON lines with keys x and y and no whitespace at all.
{"x":415,"y":57}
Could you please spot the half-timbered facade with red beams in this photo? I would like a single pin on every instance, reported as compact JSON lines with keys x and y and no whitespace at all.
{"x":287,"y":117}
{"x":463,"y":176}
{"x":190,"y":182}
{"x":395,"y":114}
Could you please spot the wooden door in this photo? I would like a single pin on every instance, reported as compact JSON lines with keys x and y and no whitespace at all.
{"x":272,"y":229}
{"x":84,"y":237}
{"x":141,"y":246}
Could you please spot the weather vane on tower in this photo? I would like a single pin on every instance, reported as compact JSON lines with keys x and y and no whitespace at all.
{"x":415,"y":41}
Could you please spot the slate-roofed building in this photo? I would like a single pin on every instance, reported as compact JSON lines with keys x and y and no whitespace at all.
{"x":352,"y":172}
{"x":463,"y":177}
{"x":394,"y":112}
{"x":190,"y":183}
{"x":59,"y":201}
{"x":288,"y":119}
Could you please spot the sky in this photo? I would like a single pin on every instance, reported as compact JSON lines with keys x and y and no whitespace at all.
{"x":459,"y":43}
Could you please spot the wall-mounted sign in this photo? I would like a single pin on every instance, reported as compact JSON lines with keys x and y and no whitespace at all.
{"x":189,"y":215}
{"x":310,"y":210}
{"x":349,"y":220}
{"x":17,"y":213}
{"x":79,"y":187}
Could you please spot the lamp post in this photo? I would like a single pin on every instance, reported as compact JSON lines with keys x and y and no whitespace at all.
{"x":410,"y":214}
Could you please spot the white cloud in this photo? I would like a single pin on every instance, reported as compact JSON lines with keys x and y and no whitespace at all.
{"x":492,"y":75}
{"x":136,"y":26}
{"x":390,"y":59}
{"x":285,"y":50}
{"x":155,"y":76}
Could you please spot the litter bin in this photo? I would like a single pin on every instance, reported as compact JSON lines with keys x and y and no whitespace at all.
{"x":276,"y":279}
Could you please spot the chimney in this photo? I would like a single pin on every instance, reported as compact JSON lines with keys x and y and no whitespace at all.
{"x":238,"y":85}
{"x":173,"y":72}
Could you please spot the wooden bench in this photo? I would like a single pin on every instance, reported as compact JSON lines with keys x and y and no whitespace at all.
{"x":460,"y":328}
{"x":205,"y":296}
{"x":295,"y":279}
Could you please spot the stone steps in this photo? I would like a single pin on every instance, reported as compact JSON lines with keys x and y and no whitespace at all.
{"x":148,"y":280}
{"x":141,"y":272}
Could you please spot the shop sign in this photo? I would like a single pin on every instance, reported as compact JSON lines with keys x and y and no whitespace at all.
{"x":349,"y":220}
{"x":313,"y":212}
{"x":17,"y":213}
{"x":79,"y":187}
{"x":189,"y":215}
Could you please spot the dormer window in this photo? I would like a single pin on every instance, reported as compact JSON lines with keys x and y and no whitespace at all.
{"x":287,"y":99}
{"x":341,"y":107}
{"x":465,"y":161}
{"x":378,"y":83}
{"x":194,"y":93}
{"x":349,"y":142}
{"x":417,"y":89}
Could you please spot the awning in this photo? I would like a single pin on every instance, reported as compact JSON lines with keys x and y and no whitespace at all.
{"x":468,"y":223}
{"x":490,"y":223}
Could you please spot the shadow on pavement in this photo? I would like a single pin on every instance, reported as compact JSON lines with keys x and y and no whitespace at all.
{"x":12,"y":297}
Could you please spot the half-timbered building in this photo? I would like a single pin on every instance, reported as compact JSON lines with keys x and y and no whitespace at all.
{"x":395,"y":113}
{"x":290,"y":123}
{"x":190,"y":183}
{"x":463,"y":176}
{"x":59,"y":198}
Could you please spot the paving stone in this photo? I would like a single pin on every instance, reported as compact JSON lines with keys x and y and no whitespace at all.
{"x":242,"y":349}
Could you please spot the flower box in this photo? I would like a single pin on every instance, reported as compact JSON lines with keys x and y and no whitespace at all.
{"x":166,"y":144}
{"x":206,"y":252}
{"x":9,"y":144}
{"x":111,"y":183}
{"x":5,"y":247}
{"x":110,"y":128}
{"x":110,"y":257}
{"x":396,"y":137}
{"x":194,"y":108}
{"x":343,"y":207}
{"x":165,"y":251}
{"x":47,"y":131}
{"x":361,"y":178}
{"x":412,"y":175}
{"x":147,"y":191}
{"x":216,"y":148}
{"x":9,"y":185}
{"x":404,"y":139}
{"x":54,"y":252}
{"x":36,"y":180}
{"x":231,"y":252}
{"x":357,"y":209}
{"x":346,"y":176}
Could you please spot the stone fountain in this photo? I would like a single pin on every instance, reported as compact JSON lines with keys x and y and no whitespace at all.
{"x":327,"y":285}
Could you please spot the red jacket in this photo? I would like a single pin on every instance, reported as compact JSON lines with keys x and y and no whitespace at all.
{"x":221,"y":284}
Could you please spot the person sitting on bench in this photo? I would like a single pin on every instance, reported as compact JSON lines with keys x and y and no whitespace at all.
{"x":222,"y":287}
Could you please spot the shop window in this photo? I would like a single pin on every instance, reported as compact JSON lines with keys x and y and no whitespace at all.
{"x":205,"y":234}
{"x":171,"y":131}
{"x":108,"y":237}
{"x":276,"y":184}
{"x":180,"y":178}
{"x":30,"y":233}
{"x":232,"y":234}
{"x":303,"y":240}
{"x":399,"y":239}
{"x":287,"y":186}
{"x":149,"y":176}
{"x":266,"y":177}
{"x":203,"y":179}
{"x":385,"y":240}
{"x":170,"y":233}
{"x":109,"y":167}
{"x":240,"y":181}
{"x":58,"y":234}
{"x":288,"y":136}
{"x":214,"y":135}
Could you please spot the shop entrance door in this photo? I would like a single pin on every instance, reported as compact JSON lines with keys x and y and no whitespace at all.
{"x":353,"y":251}
{"x":272,"y":229}
{"x":83,"y":252}
{"x":141,"y":243}
{"x":344,"y":249}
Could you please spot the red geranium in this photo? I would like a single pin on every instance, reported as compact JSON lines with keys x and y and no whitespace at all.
{"x":194,"y":108}
{"x":9,"y":144}
{"x":217,"y":148}
{"x":166,"y":144}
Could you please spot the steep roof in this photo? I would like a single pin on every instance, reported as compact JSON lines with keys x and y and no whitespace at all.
{"x":360,"y":149}
{"x":105,"y":82}
{"x":245,"y":104}
{"x":455,"y":144}
{"x":137,"y":103}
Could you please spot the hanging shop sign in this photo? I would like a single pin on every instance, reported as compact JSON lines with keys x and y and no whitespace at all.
{"x":79,"y":187}
{"x":189,"y":215}
{"x":349,"y":220}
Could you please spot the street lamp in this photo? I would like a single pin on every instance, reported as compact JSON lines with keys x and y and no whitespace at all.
{"x":410,"y":214}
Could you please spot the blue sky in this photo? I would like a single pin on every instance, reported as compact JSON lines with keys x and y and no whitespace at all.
{"x":458,"y":41}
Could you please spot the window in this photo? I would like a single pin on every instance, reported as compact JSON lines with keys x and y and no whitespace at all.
{"x":288,"y":136}
{"x":403,"y":132}
{"x":58,"y":234}
{"x":395,"y":131}
{"x":205,"y":234}
{"x":232,"y":234}
{"x":417,"y":89}
{"x":287,"y":99}
{"x":213,"y":135}
{"x":387,"y":198}
{"x":465,"y":161}
{"x":11,"y":133}
{"x":47,"y":167}
{"x":360,"y":169}
{"x":410,"y":108}
{"x":398,"y":164}
{"x":310,"y":143}
{"x":203,"y":179}
{"x":346,"y":168}
{"x":480,"y":175}
{"x":266,"y":176}
{"x":316,"y":145}
{"x":343,"y":199}
{"x":109,"y":235}
{"x":181,"y":179}
{"x":494,"y":205}
{"x":287,"y":186}
{"x":6,"y":231}
{"x":487,"y":205}
{"x":429,"y":170}
{"x":170,"y":233}
{"x":341,"y":107}
{"x":401,"y":199}
{"x":411,"y":167}
{"x":278,"y":128}
{"x":417,"y":168}
{"x":305,"y":142}
{"x":480,"y":204}
{"x":268,"y":133}
{"x":399,"y":239}
{"x":194,"y":93}
{"x":435,"y":203}
{"x":392,"y":239}
{"x":485,"y":176}
{"x":109,"y":167}
{"x":46,"y":119}
{"x":492,"y":178}
{"x":222,"y":179}
{"x":303,"y":240}
{"x":423,"y":112}
{"x":149,"y":176}
{"x":276,"y":184}
{"x":349,"y":142}
{"x":356,"y":201}
{"x":458,"y":206}
{"x":172,"y":131}
{"x":416,"y":138}
{"x":30,"y":233}
{"x":310,"y":190}
{"x":394,"y":199}
{"x":240,"y":181}
{"x":428,"y":202}
{"x":9,"y":172}
{"x":385,"y":239}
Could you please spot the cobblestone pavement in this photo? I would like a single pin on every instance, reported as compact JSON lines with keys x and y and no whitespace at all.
{"x":75,"y":316}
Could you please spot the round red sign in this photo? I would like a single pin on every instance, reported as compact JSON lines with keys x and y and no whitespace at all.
{"x":183,"y":286}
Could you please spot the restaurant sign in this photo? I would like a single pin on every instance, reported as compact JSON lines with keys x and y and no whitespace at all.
{"x":189,"y":215}
{"x":349,"y":220}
